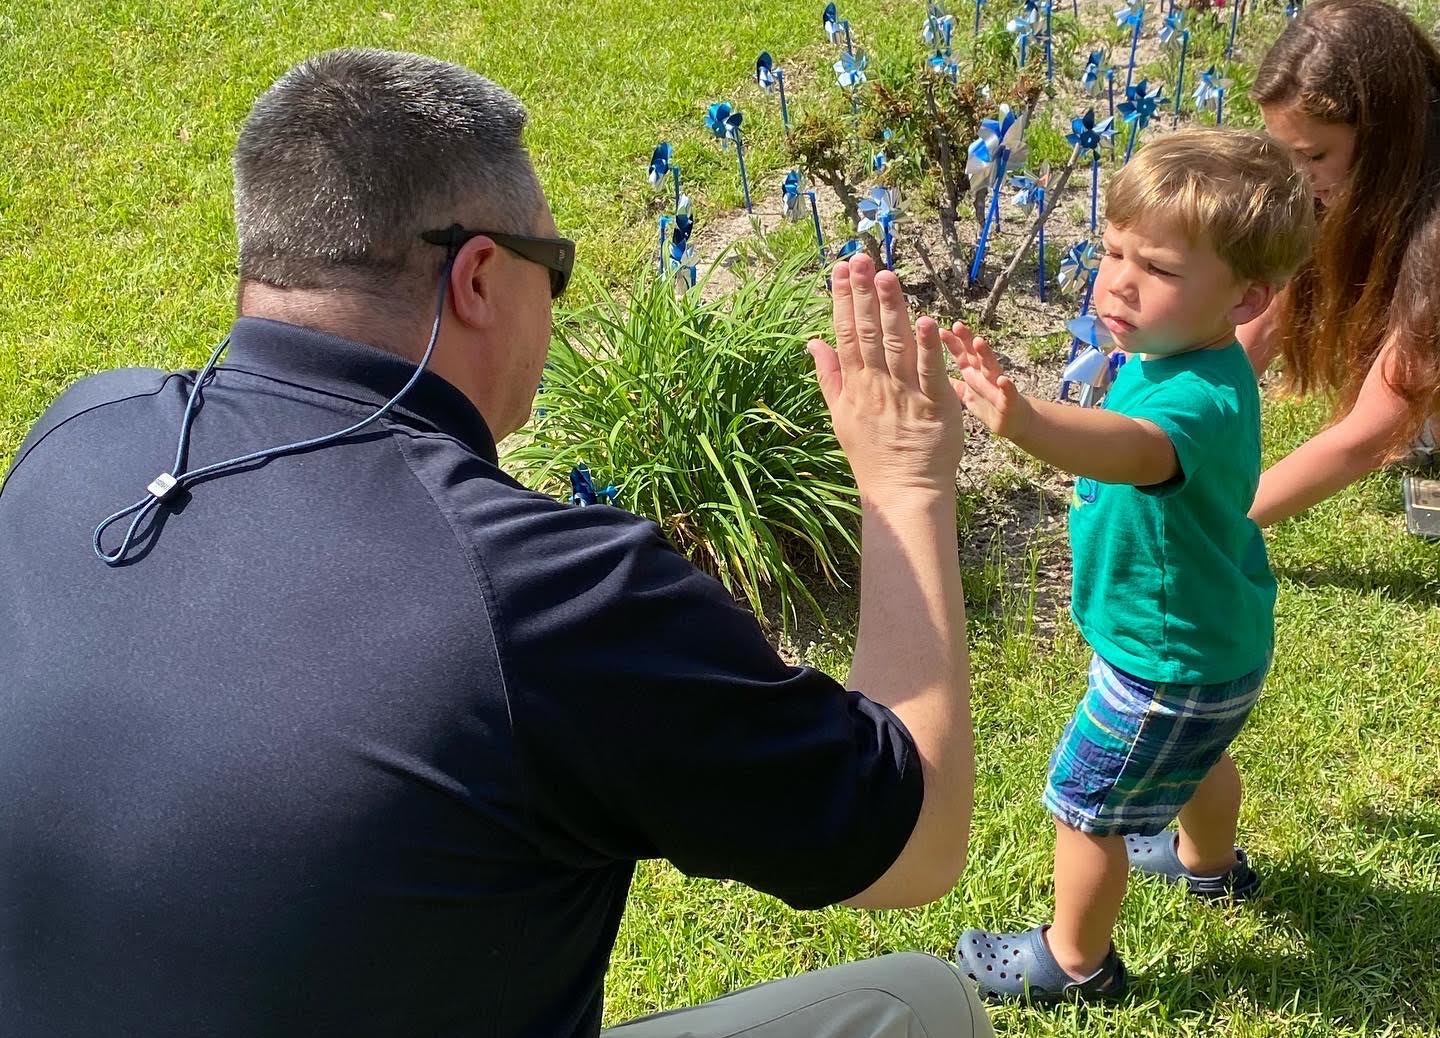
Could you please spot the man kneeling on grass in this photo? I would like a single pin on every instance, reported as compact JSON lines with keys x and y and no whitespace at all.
{"x":306,"y":750}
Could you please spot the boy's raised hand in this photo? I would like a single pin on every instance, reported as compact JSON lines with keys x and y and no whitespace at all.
{"x":988,"y":395}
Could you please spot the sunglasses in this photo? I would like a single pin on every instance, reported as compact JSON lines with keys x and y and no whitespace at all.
{"x":555,"y":254}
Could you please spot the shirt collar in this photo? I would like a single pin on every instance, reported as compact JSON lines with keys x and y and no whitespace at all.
{"x":339,"y":367}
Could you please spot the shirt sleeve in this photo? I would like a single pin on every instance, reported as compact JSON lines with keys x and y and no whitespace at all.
{"x":659,"y":722}
{"x":1189,"y":412}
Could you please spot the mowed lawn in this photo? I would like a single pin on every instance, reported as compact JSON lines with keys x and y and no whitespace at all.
{"x":116,"y":247}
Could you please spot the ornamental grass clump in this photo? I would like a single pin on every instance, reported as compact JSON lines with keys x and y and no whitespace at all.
{"x":707,"y":416}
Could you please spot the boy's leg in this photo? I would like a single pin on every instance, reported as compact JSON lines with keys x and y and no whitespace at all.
{"x":1208,"y":821}
{"x":908,"y":995}
{"x":1090,"y":876}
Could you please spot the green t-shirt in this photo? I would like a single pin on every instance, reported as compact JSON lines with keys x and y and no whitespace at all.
{"x":1172,"y":582}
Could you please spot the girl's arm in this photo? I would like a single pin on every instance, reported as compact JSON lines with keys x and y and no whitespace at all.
{"x":1261,"y":337}
{"x":1333,"y":459}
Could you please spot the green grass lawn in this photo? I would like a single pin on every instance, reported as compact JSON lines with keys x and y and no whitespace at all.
{"x":116,"y":247}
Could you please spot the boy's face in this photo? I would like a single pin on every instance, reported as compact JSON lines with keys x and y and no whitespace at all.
{"x":1159,"y":293}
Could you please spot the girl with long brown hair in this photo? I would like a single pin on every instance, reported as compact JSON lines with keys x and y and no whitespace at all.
{"x":1353,"y":87}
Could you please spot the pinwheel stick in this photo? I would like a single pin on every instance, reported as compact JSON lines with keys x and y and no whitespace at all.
{"x":1134,"y":132}
{"x":1234,"y":20}
{"x":784,"y":108}
{"x":815,"y":215}
{"x":1052,"y":197}
{"x":1134,"y":45}
{"x":1094,"y":189}
{"x":1064,"y":393}
{"x":740,"y":157}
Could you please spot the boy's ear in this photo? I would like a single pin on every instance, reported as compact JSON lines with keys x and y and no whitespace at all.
{"x":1255,"y":301}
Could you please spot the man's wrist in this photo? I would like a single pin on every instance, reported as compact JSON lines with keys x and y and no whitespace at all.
{"x":922,"y":499}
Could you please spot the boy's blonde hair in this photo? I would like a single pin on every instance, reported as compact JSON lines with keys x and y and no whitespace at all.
{"x":1238,"y":191}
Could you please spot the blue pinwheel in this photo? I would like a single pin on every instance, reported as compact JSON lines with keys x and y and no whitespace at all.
{"x":850,"y":70}
{"x":1138,"y":108}
{"x":1030,"y":191}
{"x":724,"y":122}
{"x":1089,"y":330}
{"x":790,"y":193}
{"x":1170,"y":29}
{"x":850,"y":247}
{"x":1077,"y":270}
{"x":1131,"y":14}
{"x":770,"y":77}
{"x":836,"y":31}
{"x":1292,"y":9}
{"x":662,"y":164}
{"x":1086,"y":134}
{"x":939,"y":27}
{"x":878,"y":210}
{"x":1001,"y":142}
{"x":1094,"y":72}
{"x":944,"y":65}
{"x":682,"y":254}
{"x":1090,"y":368}
{"x":584,"y":492}
{"x":1210,"y":93}
{"x":1022,"y":27}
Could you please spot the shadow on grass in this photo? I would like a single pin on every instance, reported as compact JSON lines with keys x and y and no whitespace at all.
{"x":1413,"y":586}
{"x":1363,"y":958}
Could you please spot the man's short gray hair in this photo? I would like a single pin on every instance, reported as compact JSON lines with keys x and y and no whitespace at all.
{"x":346,"y":159}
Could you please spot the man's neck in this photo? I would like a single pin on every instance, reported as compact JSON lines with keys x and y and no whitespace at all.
{"x":347,"y":315}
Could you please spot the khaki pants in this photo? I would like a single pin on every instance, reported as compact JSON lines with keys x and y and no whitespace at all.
{"x":898,"y":996}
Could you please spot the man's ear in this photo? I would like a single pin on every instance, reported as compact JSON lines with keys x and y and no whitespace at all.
{"x":1255,"y":301}
{"x":474,"y":287}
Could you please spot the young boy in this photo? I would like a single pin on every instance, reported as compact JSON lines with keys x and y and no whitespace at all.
{"x":1172,"y":587}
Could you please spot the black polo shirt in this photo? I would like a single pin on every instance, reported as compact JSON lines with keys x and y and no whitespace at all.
{"x":368,"y":739}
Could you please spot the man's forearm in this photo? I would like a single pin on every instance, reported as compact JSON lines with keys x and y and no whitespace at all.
{"x":1103,"y":445}
{"x":911,"y":654}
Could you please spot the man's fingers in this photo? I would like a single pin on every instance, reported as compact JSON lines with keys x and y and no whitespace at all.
{"x":847,"y":346}
{"x":868,"y":330}
{"x":827,"y":370}
{"x":930,"y":359}
{"x":899,"y":340}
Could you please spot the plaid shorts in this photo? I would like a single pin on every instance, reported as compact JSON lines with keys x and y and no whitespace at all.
{"x":1135,"y":750}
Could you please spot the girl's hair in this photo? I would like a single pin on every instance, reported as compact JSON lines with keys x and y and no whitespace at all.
{"x":1237,"y":190}
{"x":1376,"y":271}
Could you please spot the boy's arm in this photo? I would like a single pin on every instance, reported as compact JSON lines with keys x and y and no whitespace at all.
{"x":1108,"y":447}
{"x":1103,"y":445}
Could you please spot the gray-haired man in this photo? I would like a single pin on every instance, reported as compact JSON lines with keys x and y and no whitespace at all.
{"x":291,"y":719}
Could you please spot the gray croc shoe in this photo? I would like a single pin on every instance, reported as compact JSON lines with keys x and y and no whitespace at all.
{"x":1157,"y":856}
{"x":1020,"y":966}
